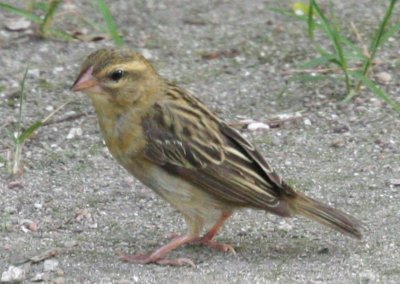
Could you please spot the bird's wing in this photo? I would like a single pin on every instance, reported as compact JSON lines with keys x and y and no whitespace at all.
{"x":177,"y":136}
{"x":192,"y":143}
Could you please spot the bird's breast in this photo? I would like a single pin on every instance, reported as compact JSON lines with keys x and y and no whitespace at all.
{"x":123,"y":135}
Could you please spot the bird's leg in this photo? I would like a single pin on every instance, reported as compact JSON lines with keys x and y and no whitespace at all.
{"x":158,"y":256}
{"x":208,"y":238}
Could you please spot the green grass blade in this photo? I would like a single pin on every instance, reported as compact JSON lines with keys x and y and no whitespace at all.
{"x":331,"y":32}
{"x":16,"y":169}
{"x":60,"y":35}
{"x":308,"y":78}
{"x":31,"y":129}
{"x":310,"y":20}
{"x":391,"y":32}
{"x":112,"y":27}
{"x":20,"y":12}
{"x":28,"y":132}
{"x":353,"y":56}
{"x":335,"y":39}
{"x":319,"y":61}
{"x":377,"y":40}
{"x":376,"y":90}
{"x":45,"y":26}
{"x":21,"y":100}
{"x":356,"y":51}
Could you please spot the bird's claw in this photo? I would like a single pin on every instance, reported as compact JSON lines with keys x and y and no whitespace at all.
{"x":218,"y":246}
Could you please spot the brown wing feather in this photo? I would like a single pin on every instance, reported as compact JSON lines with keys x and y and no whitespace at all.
{"x":193,"y":143}
{"x":171,"y":140}
{"x":262,"y":166}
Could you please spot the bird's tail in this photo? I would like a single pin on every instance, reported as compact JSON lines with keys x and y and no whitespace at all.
{"x":325,"y":214}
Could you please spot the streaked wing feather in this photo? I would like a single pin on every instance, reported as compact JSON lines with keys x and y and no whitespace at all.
{"x":171,"y":140}
{"x":275,"y":181}
{"x":188,"y":140}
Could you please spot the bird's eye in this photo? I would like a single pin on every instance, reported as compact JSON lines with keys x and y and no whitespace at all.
{"x":117,"y":75}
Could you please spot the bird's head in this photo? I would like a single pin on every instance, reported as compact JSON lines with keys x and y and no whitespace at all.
{"x":117,"y":76}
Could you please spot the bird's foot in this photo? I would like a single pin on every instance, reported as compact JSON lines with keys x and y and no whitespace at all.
{"x":158,"y":256}
{"x":151,"y":258}
{"x":214,"y":245}
{"x":207,"y":241}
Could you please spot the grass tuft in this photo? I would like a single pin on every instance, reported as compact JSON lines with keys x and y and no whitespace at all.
{"x":20,"y":136}
{"x":344,"y":54}
{"x":17,"y":167}
{"x":49,"y":8}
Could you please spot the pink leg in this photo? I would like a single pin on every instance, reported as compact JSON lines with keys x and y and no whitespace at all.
{"x":158,"y":256}
{"x":208,"y":238}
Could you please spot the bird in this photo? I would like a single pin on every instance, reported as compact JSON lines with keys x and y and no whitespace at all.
{"x":175,"y":145}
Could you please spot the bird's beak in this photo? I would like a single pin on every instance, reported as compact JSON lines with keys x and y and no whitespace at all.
{"x":87,"y":82}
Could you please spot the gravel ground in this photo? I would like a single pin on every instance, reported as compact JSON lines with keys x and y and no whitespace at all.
{"x":75,"y":203}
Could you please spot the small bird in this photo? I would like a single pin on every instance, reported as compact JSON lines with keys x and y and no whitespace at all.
{"x":170,"y":141}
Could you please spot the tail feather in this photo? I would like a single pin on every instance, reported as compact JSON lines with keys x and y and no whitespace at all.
{"x":325,"y":214}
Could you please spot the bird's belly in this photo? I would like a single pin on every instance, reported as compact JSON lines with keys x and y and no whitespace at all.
{"x":185,"y":197}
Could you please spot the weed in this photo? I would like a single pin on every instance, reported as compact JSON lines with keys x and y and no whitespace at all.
{"x":344,"y":54}
{"x":49,"y":8}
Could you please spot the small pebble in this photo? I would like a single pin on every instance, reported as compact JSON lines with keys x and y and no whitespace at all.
{"x":58,"y":69}
{"x":40,"y":277}
{"x":18,"y":24}
{"x":395,"y":181}
{"x":257,"y":126}
{"x":338,"y":143}
{"x":50,"y":264}
{"x":70,"y":243}
{"x":323,"y":251}
{"x":14,"y":274}
{"x":35,"y":73}
{"x":74,"y":131}
{"x":383,"y":77}
{"x":58,"y":280}
{"x":38,"y":206}
{"x":307,"y":122}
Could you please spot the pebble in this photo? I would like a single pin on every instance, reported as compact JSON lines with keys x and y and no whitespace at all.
{"x":58,"y":280}
{"x":383,"y":77}
{"x":257,"y":126}
{"x":50,"y":264}
{"x":18,"y":24}
{"x":40,"y":277}
{"x":74,"y":131}
{"x":35,"y":73}
{"x":307,"y":122}
{"x":38,"y":206}
{"x":14,"y":274}
{"x":395,"y":182}
{"x":70,"y":243}
{"x":49,"y":108}
{"x":58,"y":69}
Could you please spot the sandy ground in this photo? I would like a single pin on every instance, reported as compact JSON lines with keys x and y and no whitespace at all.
{"x":76,"y":202}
